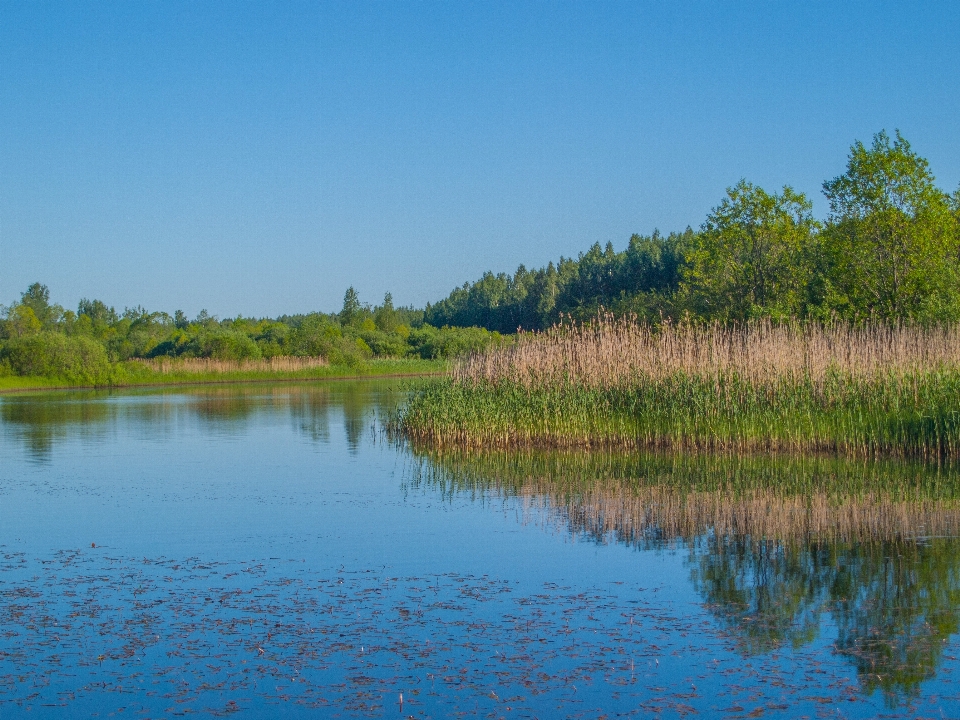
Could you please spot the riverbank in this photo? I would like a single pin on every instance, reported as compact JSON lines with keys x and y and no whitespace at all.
{"x":860,"y":391}
{"x":141,"y":374}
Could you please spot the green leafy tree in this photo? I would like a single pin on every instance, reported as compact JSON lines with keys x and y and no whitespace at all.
{"x":97,"y":311}
{"x":37,"y":298}
{"x":385,"y":317}
{"x":351,"y":307}
{"x":749,"y":259}
{"x":53,"y":354}
{"x":891,"y":244}
{"x":21,"y":321}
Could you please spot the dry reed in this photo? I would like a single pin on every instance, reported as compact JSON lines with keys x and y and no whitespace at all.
{"x":862,"y":390}
{"x":204,"y":366}
{"x":611,"y":352}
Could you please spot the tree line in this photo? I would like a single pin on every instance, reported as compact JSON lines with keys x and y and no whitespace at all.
{"x":40,"y":338}
{"x":889,"y":250}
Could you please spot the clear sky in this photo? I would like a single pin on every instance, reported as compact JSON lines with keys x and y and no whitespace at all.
{"x":258,"y":158}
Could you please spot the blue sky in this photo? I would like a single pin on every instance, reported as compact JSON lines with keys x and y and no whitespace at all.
{"x":258,"y":158}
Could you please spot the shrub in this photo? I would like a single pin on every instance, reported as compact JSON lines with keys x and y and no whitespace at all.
{"x":432,"y":343}
{"x":384,"y":344}
{"x":226,"y":345}
{"x":77,"y":360}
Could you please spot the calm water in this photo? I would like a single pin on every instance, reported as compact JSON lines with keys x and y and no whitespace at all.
{"x":268,"y":550}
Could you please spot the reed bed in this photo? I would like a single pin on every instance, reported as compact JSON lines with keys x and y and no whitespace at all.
{"x":859,"y":390}
{"x":612,"y":352}
{"x":644,"y":499}
{"x":210,"y":366}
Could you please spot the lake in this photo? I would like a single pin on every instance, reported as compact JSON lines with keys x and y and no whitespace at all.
{"x":272,"y":550}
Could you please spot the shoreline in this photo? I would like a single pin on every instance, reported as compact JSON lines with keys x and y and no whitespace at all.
{"x":909,"y":416}
{"x":181,"y":381}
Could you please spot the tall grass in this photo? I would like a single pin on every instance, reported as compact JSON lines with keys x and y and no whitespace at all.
{"x":870,"y":390}
{"x":167,"y":366}
{"x":612,"y":352}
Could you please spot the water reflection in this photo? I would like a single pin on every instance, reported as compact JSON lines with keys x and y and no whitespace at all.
{"x":894,"y":603}
{"x":40,"y":425}
{"x":811,"y":554}
{"x":43,"y":421}
{"x":784,"y":552}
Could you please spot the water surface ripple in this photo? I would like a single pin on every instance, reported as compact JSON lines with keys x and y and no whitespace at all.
{"x":271,"y":551}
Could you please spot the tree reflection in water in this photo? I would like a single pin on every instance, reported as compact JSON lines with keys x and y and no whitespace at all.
{"x":895,"y":603}
{"x":780,"y":549}
{"x":42,"y":421}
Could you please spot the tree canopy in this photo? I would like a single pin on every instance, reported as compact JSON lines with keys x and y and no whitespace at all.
{"x":888,"y":251}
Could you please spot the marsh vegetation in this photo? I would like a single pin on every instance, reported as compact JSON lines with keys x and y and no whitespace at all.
{"x":872,"y":389}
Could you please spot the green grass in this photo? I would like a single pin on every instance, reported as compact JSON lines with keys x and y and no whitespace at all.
{"x":14,"y":383}
{"x":133,"y":374}
{"x":894,"y":414}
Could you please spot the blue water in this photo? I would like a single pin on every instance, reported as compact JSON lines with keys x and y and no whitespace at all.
{"x":271,"y":551}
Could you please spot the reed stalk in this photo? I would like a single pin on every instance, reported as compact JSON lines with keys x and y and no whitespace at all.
{"x":168,"y":366}
{"x":856,"y":390}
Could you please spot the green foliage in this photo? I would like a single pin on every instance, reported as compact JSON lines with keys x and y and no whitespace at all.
{"x":432,"y":343}
{"x":634,"y":280}
{"x":750,"y":258}
{"x":372,"y":334}
{"x":77,"y":360}
{"x":912,"y":415}
{"x":892,"y":239}
{"x":889,"y":251}
{"x":21,"y":322}
{"x":37,"y":298}
{"x":385,"y":317}
{"x":223,"y":344}
{"x":351,"y":311}
{"x":97,"y":311}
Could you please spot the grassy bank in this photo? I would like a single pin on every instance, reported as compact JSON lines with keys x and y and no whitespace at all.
{"x":135,"y":373}
{"x":858,"y":391}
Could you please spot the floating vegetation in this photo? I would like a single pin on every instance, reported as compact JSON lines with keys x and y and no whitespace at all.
{"x":85,"y":632}
{"x":775,"y":544}
{"x":863,"y":391}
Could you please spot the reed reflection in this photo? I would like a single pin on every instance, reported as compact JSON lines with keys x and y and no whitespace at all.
{"x":783,"y":551}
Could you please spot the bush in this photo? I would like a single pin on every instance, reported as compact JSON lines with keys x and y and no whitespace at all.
{"x":432,"y":343}
{"x":78,"y":360}
{"x":225,"y":345}
{"x":385,"y":344}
